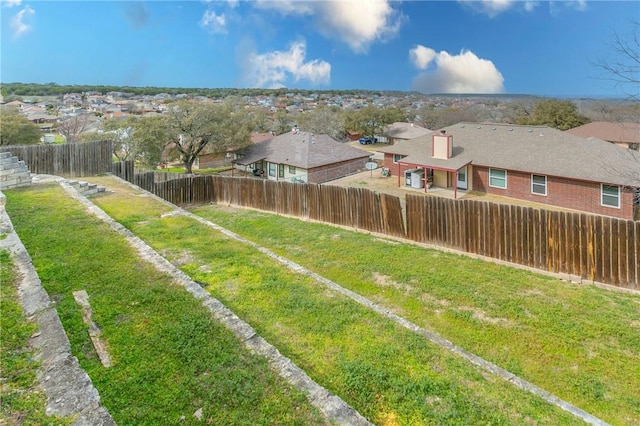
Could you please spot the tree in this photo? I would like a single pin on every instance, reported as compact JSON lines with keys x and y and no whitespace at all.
{"x":16,"y":129}
{"x":140,"y":139}
{"x":623,"y":67}
{"x":281,"y":122}
{"x":436,"y":118}
{"x":371,"y":120}
{"x":323,"y":120}
{"x":562,"y":115}
{"x":194,"y":126}
{"x":72,"y":127}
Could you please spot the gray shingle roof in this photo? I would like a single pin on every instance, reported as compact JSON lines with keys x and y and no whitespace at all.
{"x":531,"y":149}
{"x":303,"y":149}
{"x":608,"y":131}
{"x":401,"y":130}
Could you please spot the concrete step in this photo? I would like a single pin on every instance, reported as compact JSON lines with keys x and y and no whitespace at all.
{"x":86,"y":188}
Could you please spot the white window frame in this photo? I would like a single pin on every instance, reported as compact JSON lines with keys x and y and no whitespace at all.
{"x":538,"y":184}
{"x":615,"y":197}
{"x":397,"y":157}
{"x":493,"y":177}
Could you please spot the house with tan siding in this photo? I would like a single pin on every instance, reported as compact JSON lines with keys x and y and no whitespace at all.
{"x":531,"y":163}
{"x":299,"y":156}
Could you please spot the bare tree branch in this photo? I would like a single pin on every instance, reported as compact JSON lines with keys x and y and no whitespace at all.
{"x":623,"y":66}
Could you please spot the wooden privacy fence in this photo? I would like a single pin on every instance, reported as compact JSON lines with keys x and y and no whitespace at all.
{"x":68,"y":160}
{"x":351,"y":207}
{"x":595,"y":248}
{"x":578,"y":246}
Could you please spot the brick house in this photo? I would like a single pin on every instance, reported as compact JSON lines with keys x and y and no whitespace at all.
{"x":301,"y":157}
{"x":531,"y":163}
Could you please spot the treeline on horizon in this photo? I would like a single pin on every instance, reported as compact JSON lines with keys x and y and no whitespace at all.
{"x":54,"y":89}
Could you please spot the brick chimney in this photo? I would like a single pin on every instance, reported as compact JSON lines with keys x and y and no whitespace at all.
{"x":441,"y":145}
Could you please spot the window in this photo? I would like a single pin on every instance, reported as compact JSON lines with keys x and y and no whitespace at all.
{"x":292,"y":170}
{"x":498,"y":178}
{"x":539,"y":184}
{"x":397,"y":157}
{"x":610,"y":195}
{"x":272,"y":169}
{"x":280,"y":170}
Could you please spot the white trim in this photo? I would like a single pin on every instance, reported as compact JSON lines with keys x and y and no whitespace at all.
{"x":539,"y":184}
{"x":617,"y":197}
{"x":505,"y":178}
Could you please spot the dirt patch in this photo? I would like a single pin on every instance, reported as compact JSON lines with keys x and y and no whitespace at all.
{"x":425,"y":297}
{"x":480,"y":315}
{"x":386,"y":281}
{"x":178,"y":258}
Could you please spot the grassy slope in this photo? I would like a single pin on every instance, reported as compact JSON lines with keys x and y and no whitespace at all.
{"x":170,"y":357}
{"x":581,"y":343}
{"x":384,"y":371}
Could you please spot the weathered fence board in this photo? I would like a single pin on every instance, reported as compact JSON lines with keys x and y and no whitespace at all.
{"x":595,"y":248}
{"x":67,"y":160}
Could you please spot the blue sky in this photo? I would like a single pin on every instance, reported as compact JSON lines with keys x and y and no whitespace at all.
{"x":492,"y":46}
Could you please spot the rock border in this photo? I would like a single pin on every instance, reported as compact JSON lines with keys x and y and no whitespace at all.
{"x":335,"y":409}
{"x":69,"y":390}
{"x":429,"y":335}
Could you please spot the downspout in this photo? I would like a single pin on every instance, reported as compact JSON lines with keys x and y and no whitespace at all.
{"x":398,"y":175}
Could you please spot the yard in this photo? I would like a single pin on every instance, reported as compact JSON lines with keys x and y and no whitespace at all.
{"x":579,"y":343}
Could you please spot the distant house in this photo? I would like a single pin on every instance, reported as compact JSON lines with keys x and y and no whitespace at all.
{"x":352,"y":135}
{"x":401,"y":131}
{"x":532,"y":163}
{"x":301,"y":157}
{"x":16,"y":104}
{"x":624,"y":134}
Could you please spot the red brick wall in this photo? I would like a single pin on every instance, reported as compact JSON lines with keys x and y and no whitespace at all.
{"x":388,"y":163}
{"x":570,"y":194}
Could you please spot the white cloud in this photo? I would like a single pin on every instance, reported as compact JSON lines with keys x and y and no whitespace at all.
{"x":490,"y":7}
{"x":275,"y":69}
{"x":422,"y":56}
{"x":213,"y":22}
{"x":11,"y":3}
{"x":19,"y":23}
{"x":463,"y":73}
{"x":358,"y":23}
{"x":493,"y":8}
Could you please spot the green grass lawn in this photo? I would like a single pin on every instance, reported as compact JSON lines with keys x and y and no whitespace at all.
{"x":581,"y":343}
{"x":389,"y":374}
{"x":170,"y":357}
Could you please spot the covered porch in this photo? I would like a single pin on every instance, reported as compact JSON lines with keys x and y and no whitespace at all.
{"x":435,"y":175}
